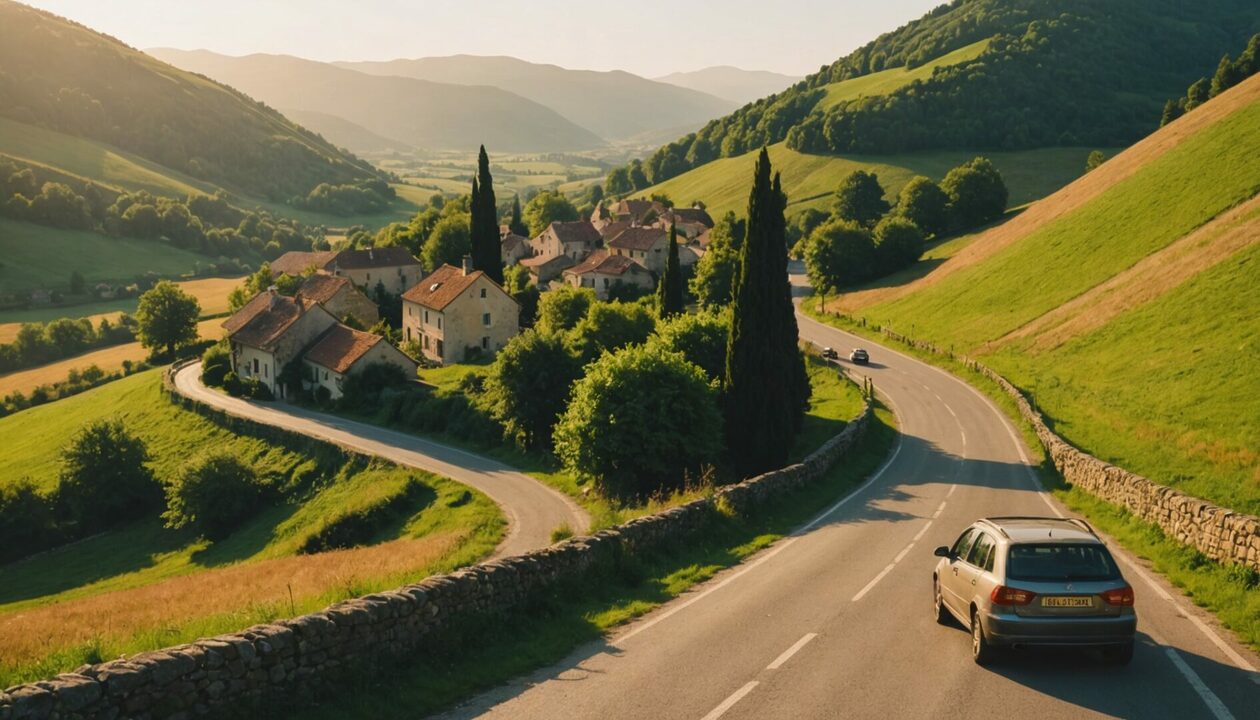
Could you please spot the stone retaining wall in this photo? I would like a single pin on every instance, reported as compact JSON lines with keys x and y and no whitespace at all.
{"x":229,"y":675}
{"x":1222,"y":535}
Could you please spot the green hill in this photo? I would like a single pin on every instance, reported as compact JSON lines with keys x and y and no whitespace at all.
{"x":1125,"y":304}
{"x":59,"y":75}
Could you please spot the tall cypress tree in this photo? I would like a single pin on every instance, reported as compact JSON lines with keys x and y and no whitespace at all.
{"x":669,"y":293}
{"x":516,"y":224}
{"x":763,"y":396}
{"x":484,"y":224}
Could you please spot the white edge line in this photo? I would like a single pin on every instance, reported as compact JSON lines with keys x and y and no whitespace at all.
{"x":787,"y":654}
{"x":729,"y":702}
{"x":1219,"y":711}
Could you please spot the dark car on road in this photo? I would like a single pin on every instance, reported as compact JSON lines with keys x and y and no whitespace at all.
{"x":1032,"y":581}
{"x":830,"y":354}
{"x":859,"y":356}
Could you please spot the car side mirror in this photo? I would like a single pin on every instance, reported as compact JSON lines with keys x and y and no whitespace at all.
{"x":941,"y":551}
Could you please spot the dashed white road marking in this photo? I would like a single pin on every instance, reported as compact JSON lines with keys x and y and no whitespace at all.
{"x":729,"y":702}
{"x":787,"y":654}
{"x":938,"y":510}
{"x":952,"y":488}
{"x":871,"y":584}
{"x":923,"y":531}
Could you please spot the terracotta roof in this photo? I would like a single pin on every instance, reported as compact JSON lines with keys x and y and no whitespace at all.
{"x":295,"y":263}
{"x":540,"y":261}
{"x":248,"y":311}
{"x":638,"y":238}
{"x":600,"y":261}
{"x":443,"y":285}
{"x":693,"y":215}
{"x":340,"y":347}
{"x":268,"y":324}
{"x":374,"y":258}
{"x":613,"y":229}
{"x":578,"y":231}
{"x":321,"y":288}
{"x":512,"y":241}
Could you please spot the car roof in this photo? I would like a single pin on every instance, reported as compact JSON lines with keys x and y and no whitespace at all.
{"x":1027,"y":529}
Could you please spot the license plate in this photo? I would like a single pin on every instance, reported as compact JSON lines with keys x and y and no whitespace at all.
{"x":1077,"y":601}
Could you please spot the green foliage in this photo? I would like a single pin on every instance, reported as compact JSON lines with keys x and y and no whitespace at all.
{"x":1228,"y":74}
{"x":1095,"y":159}
{"x":609,"y":326}
{"x":839,"y":254}
{"x":898,"y":244}
{"x":365,"y":197}
{"x":699,"y":337}
{"x":548,"y":207}
{"x":449,"y":242}
{"x":639,"y":422}
{"x":715,"y":272}
{"x":528,"y":386}
{"x":484,"y":222}
{"x":516,"y":222}
{"x":363,"y":390}
{"x":104,"y":479}
{"x":563,"y":308}
{"x":925,"y":204}
{"x":213,"y":495}
{"x":977,"y":193}
{"x":216,"y":363}
{"x":860,"y":198}
{"x":167,"y":318}
{"x":27,"y":520}
{"x":670,"y":300}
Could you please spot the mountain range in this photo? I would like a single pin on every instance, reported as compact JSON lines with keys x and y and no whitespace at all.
{"x":732,"y":83}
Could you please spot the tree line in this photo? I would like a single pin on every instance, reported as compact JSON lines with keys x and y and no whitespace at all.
{"x":1228,"y":74}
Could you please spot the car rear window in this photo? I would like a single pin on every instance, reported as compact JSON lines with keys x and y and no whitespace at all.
{"x":1053,"y":561}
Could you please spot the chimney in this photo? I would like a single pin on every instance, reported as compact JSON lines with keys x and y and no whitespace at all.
{"x":468,"y":266}
{"x":273,"y":297}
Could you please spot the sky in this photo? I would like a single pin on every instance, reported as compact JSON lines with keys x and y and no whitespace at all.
{"x":646,"y":37}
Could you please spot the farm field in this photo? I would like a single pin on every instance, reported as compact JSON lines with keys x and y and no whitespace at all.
{"x":143,"y":586}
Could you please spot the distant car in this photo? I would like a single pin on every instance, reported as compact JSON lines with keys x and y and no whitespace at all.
{"x":830,"y":354}
{"x":859,"y":356}
{"x":1027,"y":581}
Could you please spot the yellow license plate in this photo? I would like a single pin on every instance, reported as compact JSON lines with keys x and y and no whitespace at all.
{"x":1067,"y":602}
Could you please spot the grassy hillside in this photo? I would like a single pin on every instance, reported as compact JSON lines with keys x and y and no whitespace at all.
{"x":886,"y":81}
{"x":1125,"y":304}
{"x":62,"y":76}
{"x":142,"y":587}
{"x":811,"y":180}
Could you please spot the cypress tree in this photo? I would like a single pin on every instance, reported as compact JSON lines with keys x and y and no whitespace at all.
{"x":669,"y":293}
{"x":763,"y":395}
{"x":515,"y":224}
{"x":484,"y":224}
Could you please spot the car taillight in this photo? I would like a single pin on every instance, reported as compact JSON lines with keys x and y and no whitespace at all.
{"x":1003,"y":595}
{"x":1119,"y":596}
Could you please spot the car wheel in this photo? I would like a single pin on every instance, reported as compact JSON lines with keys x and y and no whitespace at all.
{"x":938,"y":604}
{"x":981,"y":651}
{"x":1118,"y":654}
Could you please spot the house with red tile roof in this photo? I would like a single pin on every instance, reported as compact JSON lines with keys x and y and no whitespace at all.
{"x":456,"y":311}
{"x":646,"y":245}
{"x":340,"y":297}
{"x":271,"y":331}
{"x":576,"y":239}
{"x":602,"y":272}
{"x":393,"y":267}
{"x":342,"y":351}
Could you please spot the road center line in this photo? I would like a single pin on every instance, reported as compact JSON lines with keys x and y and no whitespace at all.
{"x":952,"y":488}
{"x":938,"y":510}
{"x":729,"y":702}
{"x":871,"y":584}
{"x":923,"y":531}
{"x":787,"y":654}
{"x":902,"y":554}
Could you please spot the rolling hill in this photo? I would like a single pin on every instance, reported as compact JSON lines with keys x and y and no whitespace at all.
{"x":61,"y":76}
{"x":615,"y":105}
{"x":1125,"y":303}
{"x":419,"y":113}
{"x":731,"y":83}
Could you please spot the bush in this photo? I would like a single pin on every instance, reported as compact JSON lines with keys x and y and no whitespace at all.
{"x":216,"y":363}
{"x":639,"y":422}
{"x":608,"y":327}
{"x":104,"y":479}
{"x":212,"y":495}
{"x":27,"y":520}
{"x":362,"y":390}
{"x":563,"y":308}
{"x":323,"y":395}
{"x":701,"y":338}
{"x":233,"y":385}
{"x":528,"y":386}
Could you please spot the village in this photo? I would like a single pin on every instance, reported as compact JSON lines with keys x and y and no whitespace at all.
{"x":451,"y":313}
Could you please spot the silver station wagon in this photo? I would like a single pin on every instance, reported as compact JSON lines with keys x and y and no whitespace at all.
{"x":1025,"y":581}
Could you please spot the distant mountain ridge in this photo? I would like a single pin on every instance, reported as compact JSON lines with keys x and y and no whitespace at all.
{"x":615,"y":105}
{"x":415,"y":112}
{"x":731,"y":83}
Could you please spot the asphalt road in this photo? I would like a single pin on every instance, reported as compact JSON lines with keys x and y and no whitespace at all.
{"x":533,"y":510}
{"x":835,"y":620}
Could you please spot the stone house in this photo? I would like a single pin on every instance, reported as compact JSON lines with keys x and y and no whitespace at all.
{"x":543,"y":270}
{"x":576,"y":239}
{"x":342,"y":351}
{"x":340,"y":297}
{"x":394,"y":267}
{"x":601,"y":271}
{"x":269,"y":332}
{"x":456,"y":309}
{"x":638,"y":212}
{"x":513,"y":248}
{"x":646,"y":245}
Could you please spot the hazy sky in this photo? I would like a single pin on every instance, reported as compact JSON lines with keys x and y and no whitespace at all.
{"x":648,"y":37}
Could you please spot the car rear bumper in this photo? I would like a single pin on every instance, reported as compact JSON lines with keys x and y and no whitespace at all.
{"x":1017,"y":630}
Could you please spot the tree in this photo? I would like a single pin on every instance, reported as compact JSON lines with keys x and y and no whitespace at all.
{"x":27,"y":519}
{"x":595,"y":195}
{"x":898,"y":244}
{"x":699,"y":337}
{"x":77,"y":283}
{"x":1228,"y":74}
{"x":484,"y":222}
{"x":448,"y":243}
{"x":515,"y":223}
{"x":639,"y":423}
{"x":839,"y":254}
{"x":1198,"y":93}
{"x":860,"y":198}
{"x":1173,"y":109}
{"x":638,"y":178}
{"x":618,"y":182}
{"x":104,"y":479}
{"x":563,"y":308}
{"x":213,"y":495}
{"x":546,"y":208}
{"x":167,"y":318}
{"x":608,"y":327}
{"x":925,"y":204}
{"x":669,"y":291}
{"x":216,"y":363}
{"x":977,"y":193}
{"x":528,"y":386}
{"x":764,"y":369}
{"x":715,"y":272}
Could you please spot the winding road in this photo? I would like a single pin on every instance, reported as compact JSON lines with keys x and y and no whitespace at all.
{"x":533,"y":510}
{"x":835,"y":620}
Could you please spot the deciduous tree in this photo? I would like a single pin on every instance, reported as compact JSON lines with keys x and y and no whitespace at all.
{"x":167,"y":318}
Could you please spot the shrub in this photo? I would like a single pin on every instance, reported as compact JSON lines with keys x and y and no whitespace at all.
{"x":362,"y":390}
{"x":104,"y":479}
{"x":528,"y":385}
{"x":563,"y":308}
{"x":233,"y":385}
{"x":323,"y":395}
{"x":216,"y":363}
{"x":27,"y":520}
{"x":701,"y":338}
{"x":609,"y":327}
{"x":213,"y":495}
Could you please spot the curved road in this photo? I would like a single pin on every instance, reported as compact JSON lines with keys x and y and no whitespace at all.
{"x":533,"y":510}
{"x":834,"y":620}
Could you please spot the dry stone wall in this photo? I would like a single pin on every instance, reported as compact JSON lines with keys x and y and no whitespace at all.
{"x":231,"y":675}
{"x":1223,"y":535}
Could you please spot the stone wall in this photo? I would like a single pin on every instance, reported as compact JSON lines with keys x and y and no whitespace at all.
{"x":228,"y":675}
{"x":1220,"y":534}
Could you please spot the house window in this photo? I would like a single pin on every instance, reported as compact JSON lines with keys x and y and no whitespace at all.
{"x":408,"y":334}
{"x":369,"y":276}
{"x":439,"y":349}
{"x":325,"y":374}
{"x":485,"y":319}
{"x":439,"y":322}
{"x":606,"y":283}
{"x":425,"y":341}
{"x":255,"y":366}
{"x":485,"y":343}
{"x":265,"y":368}
{"x":483,"y":292}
